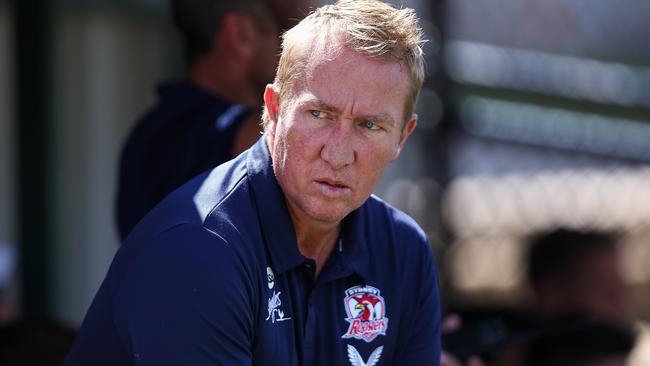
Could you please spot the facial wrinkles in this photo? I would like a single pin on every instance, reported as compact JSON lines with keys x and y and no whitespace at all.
{"x":344,"y":106}
{"x":361,"y":105}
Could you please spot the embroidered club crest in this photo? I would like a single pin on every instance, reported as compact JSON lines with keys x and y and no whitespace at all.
{"x":366,"y":311}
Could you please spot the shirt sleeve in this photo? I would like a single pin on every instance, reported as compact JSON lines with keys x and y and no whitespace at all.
{"x":423,"y":344}
{"x":187,"y":300}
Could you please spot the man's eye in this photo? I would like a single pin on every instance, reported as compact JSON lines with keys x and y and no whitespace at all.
{"x":318,"y":114}
{"x":369,"y":125}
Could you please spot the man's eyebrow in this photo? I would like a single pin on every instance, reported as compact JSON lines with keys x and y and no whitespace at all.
{"x":384,"y":117}
{"x":319,"y":104}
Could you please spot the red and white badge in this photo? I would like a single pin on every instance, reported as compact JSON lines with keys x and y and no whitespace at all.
{"x":366,"y":311}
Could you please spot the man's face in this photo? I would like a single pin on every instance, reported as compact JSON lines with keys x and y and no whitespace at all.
{"x":336,"y":133}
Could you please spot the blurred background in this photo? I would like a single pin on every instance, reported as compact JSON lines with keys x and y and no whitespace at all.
{"x":535,"y":115}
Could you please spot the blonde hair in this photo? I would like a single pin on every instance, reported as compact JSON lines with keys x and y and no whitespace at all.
{"x":370,"y":27}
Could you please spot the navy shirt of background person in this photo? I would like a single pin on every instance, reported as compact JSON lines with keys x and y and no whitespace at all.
{"x":189,"y":131}
{"x":282,"y":256}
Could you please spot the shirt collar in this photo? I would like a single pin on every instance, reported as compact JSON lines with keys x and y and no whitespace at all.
{"x":277,"y":226}
{"x":353,"y":244}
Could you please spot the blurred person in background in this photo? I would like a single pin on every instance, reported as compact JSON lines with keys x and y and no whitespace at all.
{"x":578,"y":272}
{"x":581,"y":310}
{"x":581,"y":299}
{"x":282,"y":256}
{"x":213,"y":115}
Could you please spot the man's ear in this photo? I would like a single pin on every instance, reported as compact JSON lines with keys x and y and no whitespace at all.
{"x":271,"y":106}
{"x":406,"y":132}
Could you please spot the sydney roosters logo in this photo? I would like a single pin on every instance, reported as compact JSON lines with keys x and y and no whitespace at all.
{"x":366,"y":311}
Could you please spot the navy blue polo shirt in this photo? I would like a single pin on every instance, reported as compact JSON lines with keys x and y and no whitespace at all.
{"x":213,"y":276}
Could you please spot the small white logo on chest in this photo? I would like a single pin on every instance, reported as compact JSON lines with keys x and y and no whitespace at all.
{"x":275,"y":313}
{"x":270,"y":277}
{"x":356,"y":360}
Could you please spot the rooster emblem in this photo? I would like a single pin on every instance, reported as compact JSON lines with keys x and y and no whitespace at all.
{"x":367,"y":306}
{"x":356,"y":360}
{"x":366,"y":311}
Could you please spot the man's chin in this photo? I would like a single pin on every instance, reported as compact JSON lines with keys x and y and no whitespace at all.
{"x":330,"y":214}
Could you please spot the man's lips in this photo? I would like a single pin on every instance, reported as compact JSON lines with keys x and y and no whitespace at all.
{"x":332,"y":188}
{"x":332,"y":183}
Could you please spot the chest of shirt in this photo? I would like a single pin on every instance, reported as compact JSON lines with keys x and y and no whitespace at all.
{"x":340,"y":320}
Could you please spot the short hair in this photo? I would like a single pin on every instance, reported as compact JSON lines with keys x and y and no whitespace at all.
{"x":199,"y":20}
{"x":369,"y":27}
{"x":557,"y":253}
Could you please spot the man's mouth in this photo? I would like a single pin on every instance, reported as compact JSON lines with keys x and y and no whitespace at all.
{"x":332,"y":183}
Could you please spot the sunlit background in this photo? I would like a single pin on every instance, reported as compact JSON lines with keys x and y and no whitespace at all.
{"x":535,"y":114}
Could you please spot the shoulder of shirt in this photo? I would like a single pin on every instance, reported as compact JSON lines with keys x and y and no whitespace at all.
{"x":381,"y":212}
{"x":393,"y":239}
{"x":184,"y":253}
{"x":411,"y":245}
{"x":390,"y":233}
{"x":190,"y":206}
{"x":194,"y":200}
{"x":188,"y":246}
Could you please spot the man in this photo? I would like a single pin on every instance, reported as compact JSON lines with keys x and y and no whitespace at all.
{"x":197,"y":124}
{"x":281,"y":256}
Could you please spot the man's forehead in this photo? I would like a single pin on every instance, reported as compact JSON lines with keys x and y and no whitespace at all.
{"x":338,"y":59}
{"x":328,"y":76}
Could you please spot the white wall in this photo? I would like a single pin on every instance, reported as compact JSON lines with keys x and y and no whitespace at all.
{"x":106,"y":66}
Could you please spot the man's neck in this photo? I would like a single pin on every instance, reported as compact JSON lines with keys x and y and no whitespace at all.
{"x":316,"y":240}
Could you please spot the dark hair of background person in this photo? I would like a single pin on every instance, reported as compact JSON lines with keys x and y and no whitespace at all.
{"x":199,"y":20}
{"x":557,"y":253}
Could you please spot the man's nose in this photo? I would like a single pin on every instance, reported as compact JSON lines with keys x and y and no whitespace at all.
{"x":338,"y":148}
